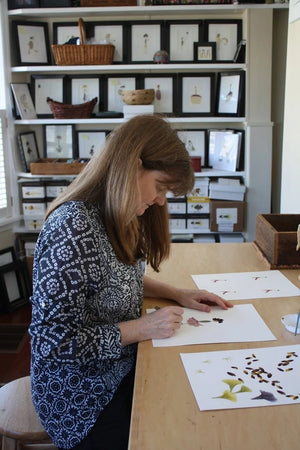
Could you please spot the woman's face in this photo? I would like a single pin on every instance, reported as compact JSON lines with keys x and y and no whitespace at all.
{"x":153,"y":186}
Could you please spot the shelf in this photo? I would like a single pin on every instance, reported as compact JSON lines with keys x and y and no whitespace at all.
{"x":173,"y":120}
{"x":128,"y":67}
{"x":126,"y":11}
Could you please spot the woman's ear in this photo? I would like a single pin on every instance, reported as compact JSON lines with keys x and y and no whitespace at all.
{"x":140,"y":163}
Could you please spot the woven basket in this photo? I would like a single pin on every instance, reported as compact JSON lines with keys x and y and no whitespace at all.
{"x":68,"y":111}
{"x":92,"y":54}
{"x":138,"y":97}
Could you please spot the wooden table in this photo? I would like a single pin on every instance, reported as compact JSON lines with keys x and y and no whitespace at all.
{"x":165,"y":414}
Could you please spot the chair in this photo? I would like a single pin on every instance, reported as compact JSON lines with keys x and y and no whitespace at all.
{"x":20,"y":426}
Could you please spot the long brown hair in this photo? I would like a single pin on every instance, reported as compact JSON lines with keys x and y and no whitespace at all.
{"x":110,"y":181}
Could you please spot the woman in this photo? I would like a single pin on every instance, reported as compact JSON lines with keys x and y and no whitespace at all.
{"x":88,"y":284}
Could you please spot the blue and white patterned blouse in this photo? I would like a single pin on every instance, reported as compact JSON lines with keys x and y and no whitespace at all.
{"x":80,"y":293}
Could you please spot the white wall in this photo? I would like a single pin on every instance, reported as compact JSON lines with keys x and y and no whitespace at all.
{"x":290,"y":180}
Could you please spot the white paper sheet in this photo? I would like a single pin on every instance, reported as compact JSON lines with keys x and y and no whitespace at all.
{"x":244,"y":378}
{"x":246,"y":285}
{"x":242,"y":323}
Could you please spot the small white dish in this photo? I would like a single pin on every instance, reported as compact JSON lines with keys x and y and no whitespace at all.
{"x":289,"y":321}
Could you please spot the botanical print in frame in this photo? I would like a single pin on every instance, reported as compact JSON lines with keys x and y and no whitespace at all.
{"x":115,"y":86}
{"x":230,"y":93}
{"x":226,"y":35}
{"x":90,"y":143}
{"x":63,"y":32}
{"x":58,"y":141}
{"x":181,"y":38}
{"x":145,"y":41}
{"x":23,"y":100}
{"x":194,"y":141}
{"x":32,"y":42}
{"x":113,"y":34}
{"x":204,"y":52}
{"x":164,"y":92}
{"x":196,"y":94}
{"x":84,"y":90}
{"x":28,"y":148}
{"x":44,"y":86}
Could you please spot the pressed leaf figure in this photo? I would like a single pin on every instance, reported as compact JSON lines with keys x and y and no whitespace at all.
{"x":264,"y":395}
{"x":231,"y":394}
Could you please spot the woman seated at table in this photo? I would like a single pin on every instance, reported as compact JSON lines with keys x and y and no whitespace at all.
{"x":89,"y":284}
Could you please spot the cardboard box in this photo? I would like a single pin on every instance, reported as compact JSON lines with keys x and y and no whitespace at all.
{"x":226,"y":216}
{"x":276,"y":238}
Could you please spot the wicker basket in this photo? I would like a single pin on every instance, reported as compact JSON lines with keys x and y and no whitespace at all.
{"x":83,"y":54}
{"x":68,"y":111}
{"x":138,"y":97}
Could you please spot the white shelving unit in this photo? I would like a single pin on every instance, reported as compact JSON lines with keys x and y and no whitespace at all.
{"x":257,"y":30}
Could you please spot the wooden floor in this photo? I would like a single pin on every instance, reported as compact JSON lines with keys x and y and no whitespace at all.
{"x":16,"y":365}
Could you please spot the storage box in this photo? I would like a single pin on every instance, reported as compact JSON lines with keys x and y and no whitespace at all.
{"x":32,"y":208}
{"x":51,"y":166}
{"x":55,"y":187}
{"x":276,"y":237}
{"x":33,"y":189}
{"x":177,"y":222}
{"x":226,"y":216}
{"x":230,"y":191}
{"x":176,"y":207}
{"x":198,"y":222}
{"x":196,"y":205}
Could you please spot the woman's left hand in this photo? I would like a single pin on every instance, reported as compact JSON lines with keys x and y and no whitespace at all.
{"x":201,"y":300}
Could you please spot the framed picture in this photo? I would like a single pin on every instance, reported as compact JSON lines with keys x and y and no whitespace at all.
{"x":195,"y":143}
{"x":16,"y":4}
{"x":64,"y":31}
{"x":12,"y":281}
{"x":32,"y":43}
{"x":58,"y":141}
{"x":226,"y":34}
{"x":43,"y":86}
{"x":224,"y":149}
{"x":164,"y":86}
{"x":113,"y":33}
{"x":24,"y":106}
{"x":84,"y":89}
{"x":90,"y":143}
{"x":145,"y":38}
{"x":196,"y":94}
{"x":230,"y":94}
{"x":113,"y":92}
{"x":181,"y":36}
{"x":28,"y":149}
{"x":204,"y":52}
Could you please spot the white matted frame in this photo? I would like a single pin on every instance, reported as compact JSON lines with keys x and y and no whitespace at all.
{"x":23,"y":101}
{"x":58,"y":141}
{"x":145,"y":38}
{"x":43,"y":86}
{"x":195,"y":143}
{"x":230,"y":93}
{"x":32,"y":43}
{"x":226,"y":34}
{"x":84,"y":89}
{"x":113,"y":33}
{"x":196,"y":94}
{"x":90,"y":143}
{"x":181,"y":36}
{"x":113,"y":93}
{"x":64,"y":31}
{"x":164,"y":87}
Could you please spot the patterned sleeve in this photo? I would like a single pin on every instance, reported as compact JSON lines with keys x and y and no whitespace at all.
{"x":67,"y":275}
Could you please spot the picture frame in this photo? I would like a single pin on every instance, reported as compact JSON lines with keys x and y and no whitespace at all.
{"x":230,"y":94}
{"x":224,"y":149}
{"x":16,"y":4}
{"x":113,"y":90}
{"x":164,"y":86}
{"x":13,"y":281}
{"x":58,"y":141}
{"x":195,"y":142}
{"x":227,"y":33}
{"x":196,"y":94}
{"x":83,"y":88}
{"x":43,"y":86}
{"x":114,"y":33}
{"x":90,"y":143}
{"x":64,"y":31}
{"x":204,"y":52}
{"x":29,"y":151}
{"x":31,"y":43}
{"x":23,"y":102}
{"x":180,"y":37}
{"x":240,"y":53}
{"x":145,"y":38}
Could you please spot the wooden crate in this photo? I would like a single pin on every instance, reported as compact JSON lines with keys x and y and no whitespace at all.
{"x":276,"y":237}
{"x":51,"y":166}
